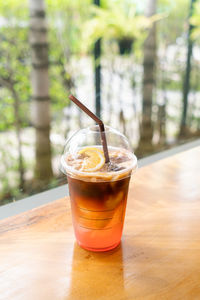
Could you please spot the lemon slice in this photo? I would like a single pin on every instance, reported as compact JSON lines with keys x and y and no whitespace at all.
{"x":94,"y":159}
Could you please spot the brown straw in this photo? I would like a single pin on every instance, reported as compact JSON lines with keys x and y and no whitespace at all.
{"x":98,"y":121}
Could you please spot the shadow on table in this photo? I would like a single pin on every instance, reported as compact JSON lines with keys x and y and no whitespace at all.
{"x":97,"y":275}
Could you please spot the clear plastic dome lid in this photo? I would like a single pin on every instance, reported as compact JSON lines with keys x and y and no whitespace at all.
{"x":90,"y":137}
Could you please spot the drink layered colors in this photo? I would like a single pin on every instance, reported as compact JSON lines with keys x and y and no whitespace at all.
{"x":98,"y":194}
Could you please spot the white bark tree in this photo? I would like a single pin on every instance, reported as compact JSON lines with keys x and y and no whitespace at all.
{"x":40,"y":108}
{"x":149,"y":67}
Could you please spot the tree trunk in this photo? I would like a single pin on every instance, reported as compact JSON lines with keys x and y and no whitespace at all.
{"x":97,"y":55}
{"x":162,"y":123}
{"x":109,"y":97}
{"x":19,"y":141}
{"x":162,"y":106}
{"x":40,"y":89}
{"x":186,"y":84}
{"x":149,"y":63}
{"x":122,"y":121}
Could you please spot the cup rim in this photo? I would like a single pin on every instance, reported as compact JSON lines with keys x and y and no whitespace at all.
{"x":66,"y":169}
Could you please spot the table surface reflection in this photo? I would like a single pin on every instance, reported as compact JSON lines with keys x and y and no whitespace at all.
{"x":158,"y":258}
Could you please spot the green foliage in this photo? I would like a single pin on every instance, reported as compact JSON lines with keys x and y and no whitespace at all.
{"x":116,"y":21}
{"x":195,"y":21}
{"x":14,"y":62}
{"x":13,"y":11}
{"x":65,"y":19}
{"x":8,"y":167}
{"x":174,"y":24}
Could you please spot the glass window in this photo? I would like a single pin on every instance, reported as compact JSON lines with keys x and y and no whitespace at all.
{"x":136,"y":66}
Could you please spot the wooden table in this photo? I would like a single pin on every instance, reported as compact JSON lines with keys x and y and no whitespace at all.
{"x":159,"y":256}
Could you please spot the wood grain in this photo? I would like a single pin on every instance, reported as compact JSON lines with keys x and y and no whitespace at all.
{"x":159,"y":256}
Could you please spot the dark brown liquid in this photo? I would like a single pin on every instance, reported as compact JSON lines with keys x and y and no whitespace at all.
{"x":98,"y":210}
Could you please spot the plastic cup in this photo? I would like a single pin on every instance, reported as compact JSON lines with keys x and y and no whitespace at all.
{"x":98,"y":198}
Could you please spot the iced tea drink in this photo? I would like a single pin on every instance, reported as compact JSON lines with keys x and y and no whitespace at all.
{"x":98,"y":194}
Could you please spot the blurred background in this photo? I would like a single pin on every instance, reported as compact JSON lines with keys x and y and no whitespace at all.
{"x":136,"y":64}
